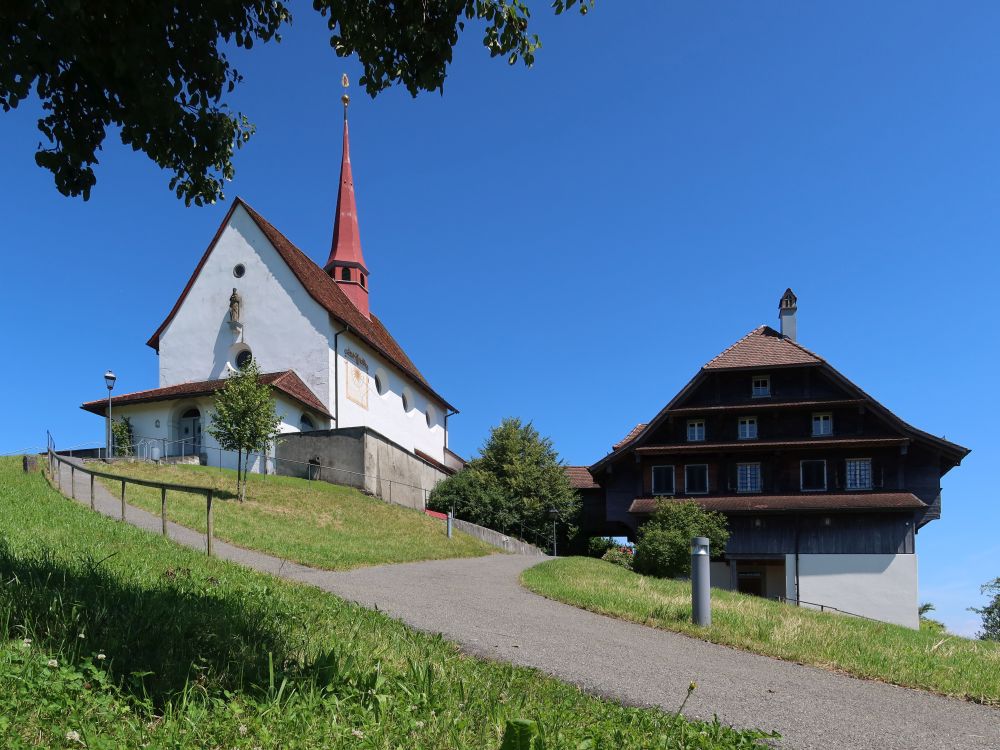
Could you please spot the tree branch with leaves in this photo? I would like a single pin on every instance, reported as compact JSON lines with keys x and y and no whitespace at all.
{"x":159,"y":71}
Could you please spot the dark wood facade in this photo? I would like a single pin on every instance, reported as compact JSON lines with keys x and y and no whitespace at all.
{"x":817,"y":466}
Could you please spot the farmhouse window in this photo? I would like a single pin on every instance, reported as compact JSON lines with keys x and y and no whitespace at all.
{"x":696,"y":430}
{"x":823,"y":424}
{"x":663,"y":480}
{"x":747,"y":428}
{"x":748,"y":477}
{"x":696,"y":479}
{"x":859,"y":473}
{"x":761,"y":386}
{"x":813,"y":475}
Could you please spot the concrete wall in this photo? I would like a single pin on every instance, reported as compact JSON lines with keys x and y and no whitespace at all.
{"x":497,"y":539}
{"x":361,"y":458}
{"x":883,"y":587}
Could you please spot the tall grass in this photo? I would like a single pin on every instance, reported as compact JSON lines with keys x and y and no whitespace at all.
{"x":111,"y":637}
{"x":921,"y":659}
{"x":313,"y":523}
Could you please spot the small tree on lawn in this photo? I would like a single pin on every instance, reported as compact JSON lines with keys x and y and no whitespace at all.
{"x":664,"y":545}
{"x":244,"y":420}
{"x":991,"y":612}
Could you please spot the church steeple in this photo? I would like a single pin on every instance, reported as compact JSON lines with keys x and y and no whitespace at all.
{"x":346,"y":264}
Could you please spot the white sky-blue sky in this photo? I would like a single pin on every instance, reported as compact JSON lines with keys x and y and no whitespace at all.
{"x":569,"y":244}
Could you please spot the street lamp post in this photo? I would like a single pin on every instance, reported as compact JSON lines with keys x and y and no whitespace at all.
{"x":554,"y":515}
{"x":109,"y":381}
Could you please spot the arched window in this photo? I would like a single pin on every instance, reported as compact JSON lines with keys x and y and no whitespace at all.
{"x":362,"y":277}
{"x":378,"y":384}
{"x":306,"y":423}
{"x":345,"y":274}
{"x":406,"y":403}
{"x":427,"y":418}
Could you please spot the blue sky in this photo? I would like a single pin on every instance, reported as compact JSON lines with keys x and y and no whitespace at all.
{"x":570,"y":243}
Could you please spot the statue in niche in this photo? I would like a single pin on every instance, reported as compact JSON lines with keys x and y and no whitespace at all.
{"x":235,"y":306}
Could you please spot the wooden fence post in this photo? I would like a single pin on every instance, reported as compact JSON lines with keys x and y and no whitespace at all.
{"x":91,"y":491}
{"x":210,"y":523}
{"x":72,"y":481}
{"x":163,"y":508}
{"x":123,"y":499}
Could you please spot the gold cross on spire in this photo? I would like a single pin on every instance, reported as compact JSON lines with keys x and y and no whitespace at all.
{"x":345,"y":98}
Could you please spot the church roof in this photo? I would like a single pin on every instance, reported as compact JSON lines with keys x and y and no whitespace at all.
{"x":321,"y":288}
{"x":762,"y":347}
{"x":286,"y":382}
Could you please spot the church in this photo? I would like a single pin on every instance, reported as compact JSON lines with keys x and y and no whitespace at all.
{"x":330,"y":362}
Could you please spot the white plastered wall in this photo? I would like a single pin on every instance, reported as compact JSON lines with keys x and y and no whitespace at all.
{"x":384,"y":412}
{"x":284,"y":327}
{"x":883,"y":587}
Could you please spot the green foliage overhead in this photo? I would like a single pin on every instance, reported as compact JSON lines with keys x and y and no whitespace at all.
{"x":511,"y":487}
{"x":991,"y":612}
{"x":244,"y":419}
{"x":664,"y":541}
{"x":159,"y":72}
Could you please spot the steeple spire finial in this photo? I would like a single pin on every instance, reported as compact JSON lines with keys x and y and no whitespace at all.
{"x":346,"y":264}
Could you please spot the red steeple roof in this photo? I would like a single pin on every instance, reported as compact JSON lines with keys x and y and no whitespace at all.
{"x":347,"y":263}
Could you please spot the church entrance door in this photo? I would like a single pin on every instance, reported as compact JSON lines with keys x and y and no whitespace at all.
{"x":190,"y":428}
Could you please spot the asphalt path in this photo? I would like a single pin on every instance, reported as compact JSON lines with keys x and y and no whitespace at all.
{"x":479,"y":604}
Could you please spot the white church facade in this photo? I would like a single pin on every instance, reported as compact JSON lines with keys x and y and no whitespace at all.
{"x":330,"y":362}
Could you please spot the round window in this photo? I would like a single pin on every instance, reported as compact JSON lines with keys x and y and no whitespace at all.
{"x":427,"y":417}
{"x":243,"y":359}
{"x":378,"y":384}
{"x":406,"y":403}
{"x":238,"y":270}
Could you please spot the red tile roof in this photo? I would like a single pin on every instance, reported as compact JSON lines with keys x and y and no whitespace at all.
{"x":287,"y":382}
{"x":804,"y":502}
{"x":762,"y":347}
{"x":702,"y":446}
{"x":580,"y":478}
{"x":630,"y":437}
{"x":321,"y":288}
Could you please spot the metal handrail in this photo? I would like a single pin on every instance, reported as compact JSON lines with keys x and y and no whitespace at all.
{"x":55,"y":459}
{"x":822,"y":607}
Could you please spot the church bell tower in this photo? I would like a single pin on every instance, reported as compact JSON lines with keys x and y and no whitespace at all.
{"x":346,"y":264}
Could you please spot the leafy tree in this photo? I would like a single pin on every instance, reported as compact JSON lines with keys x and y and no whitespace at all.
{"x":991,"y":612}
{"x":664,"y":542}
{"x":159,"y":71}
{"x":244,"y":420}
{"x":512,"y":485}
{"x":121,"y":436}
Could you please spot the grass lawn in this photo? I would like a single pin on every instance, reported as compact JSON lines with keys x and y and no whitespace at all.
{"x":921,"y":659}
{"x":313,"y":523}
{"x":111,"y":637}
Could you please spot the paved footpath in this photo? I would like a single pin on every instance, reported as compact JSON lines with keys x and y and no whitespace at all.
{"x":479,"y":604}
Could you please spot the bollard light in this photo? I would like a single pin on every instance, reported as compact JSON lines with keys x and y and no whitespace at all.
{"x":701,"y":601}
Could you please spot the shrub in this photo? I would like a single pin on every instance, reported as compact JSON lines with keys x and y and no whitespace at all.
{"x":512,"y":485}
{"x":664,"y":545}
{"x":991,"y":612}
{"x":598,"y":545}
{"x":121,"y":434}
{"x":619,"y":556}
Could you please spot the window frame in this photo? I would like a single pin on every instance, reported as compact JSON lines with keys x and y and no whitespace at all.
{"x":760,"y":478}
{"x":690,"y":424}
{"x":652,"y":480}
{"x":750,"y":419}
{"x":847,"y":474}
{"x":688,"y":491}
{"x":819,"y":415}
{"x":753,"y":386}
{"x":826,"y":475}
